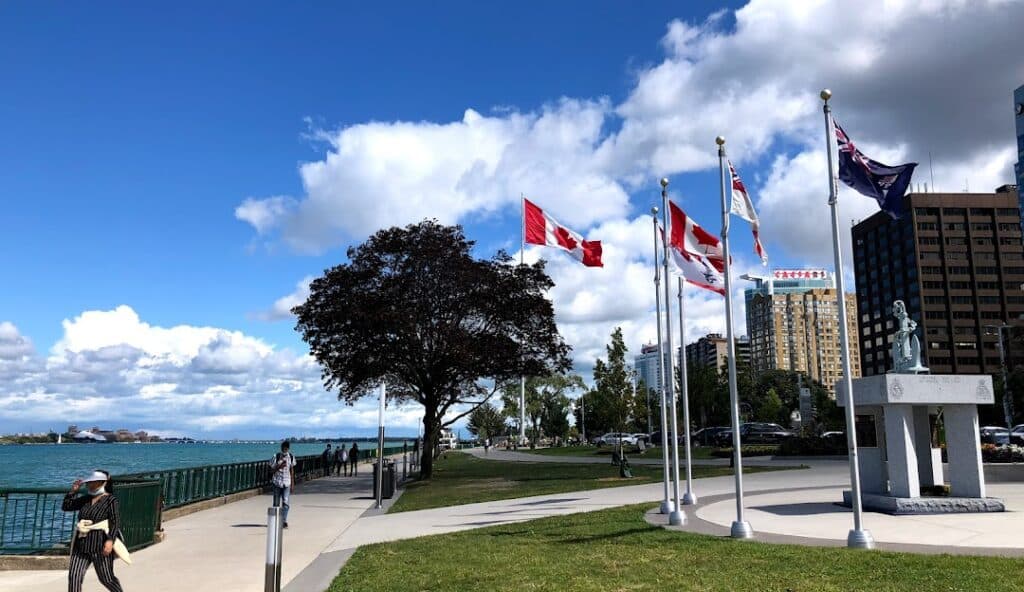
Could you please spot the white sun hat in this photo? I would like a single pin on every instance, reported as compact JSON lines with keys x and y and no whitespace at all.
{"x":95,"y":476}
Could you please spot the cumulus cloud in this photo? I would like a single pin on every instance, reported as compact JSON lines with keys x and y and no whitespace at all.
{"x":282,"y":307}
{"x":113,"y":369}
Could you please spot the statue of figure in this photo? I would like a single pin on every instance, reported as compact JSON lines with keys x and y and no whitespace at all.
{"x":906,"y":348}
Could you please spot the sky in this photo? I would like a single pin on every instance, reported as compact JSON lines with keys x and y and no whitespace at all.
{"x":171,"y":177}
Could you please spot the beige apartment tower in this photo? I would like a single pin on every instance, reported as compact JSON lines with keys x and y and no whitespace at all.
{"x":793,"y":322}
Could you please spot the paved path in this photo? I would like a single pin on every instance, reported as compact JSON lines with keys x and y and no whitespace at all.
{"x":223,"y":549}
{"x":515,"y":456}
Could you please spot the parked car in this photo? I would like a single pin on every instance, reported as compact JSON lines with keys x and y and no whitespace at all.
{"x":646,"y":438}
{"x":655,"y":439}
{"x":756,"y":433}
{"x":707,"y":436}
{"x":1017,"y":435}
{"x":614,"y":438}
{"x":994,"y":435}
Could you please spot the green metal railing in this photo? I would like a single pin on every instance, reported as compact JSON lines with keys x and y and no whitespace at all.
{"x":31,"y":520}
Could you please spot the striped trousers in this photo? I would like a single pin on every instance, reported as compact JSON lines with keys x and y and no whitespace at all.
{"x":104,"y":570}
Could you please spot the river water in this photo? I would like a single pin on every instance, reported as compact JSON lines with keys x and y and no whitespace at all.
{"x":57,"y":465}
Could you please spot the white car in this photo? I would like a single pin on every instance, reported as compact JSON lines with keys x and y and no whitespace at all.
{"x":613,"y":439}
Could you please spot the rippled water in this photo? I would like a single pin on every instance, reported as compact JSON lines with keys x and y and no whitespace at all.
{"x":57,"y":465}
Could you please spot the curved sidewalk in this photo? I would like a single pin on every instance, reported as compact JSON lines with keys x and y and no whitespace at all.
{"x":756,"y":461}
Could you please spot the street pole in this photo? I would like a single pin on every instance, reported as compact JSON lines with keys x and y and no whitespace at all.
{"x":380,"y":446}
{"x":666,"y":503}
{"x":859,"y":537}
{"x":740,"y":527}
{"x":676,"y":517}
{"x":1007,"y":395}
{"x":522,"y":378}
{"x":583,"y":417}
{"x":689,"y":498}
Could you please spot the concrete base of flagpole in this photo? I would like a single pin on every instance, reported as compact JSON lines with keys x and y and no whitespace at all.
{"x":860,"y":539}
{"x":676,"y":518}
{"x":667,"y":507}
{"x":689,"y":499}
{"x":741,"y":530}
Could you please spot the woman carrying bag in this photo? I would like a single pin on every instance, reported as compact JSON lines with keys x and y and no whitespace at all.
{"x":97,"y":536}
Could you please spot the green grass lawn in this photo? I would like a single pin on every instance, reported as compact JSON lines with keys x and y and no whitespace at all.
{"x":615,"y":550}
{"x":463,"y":479}
{"x":655,"y":452}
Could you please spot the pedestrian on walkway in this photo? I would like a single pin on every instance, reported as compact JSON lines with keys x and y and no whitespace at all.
{"x":353,"y":459}
{"x":97,"y":530}
{"x":341,"y":461}
{"x":326,"y":458}
{"x":283,"y":465}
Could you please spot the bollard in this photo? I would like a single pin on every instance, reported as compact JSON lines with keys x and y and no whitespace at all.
{"x":272,"y":580}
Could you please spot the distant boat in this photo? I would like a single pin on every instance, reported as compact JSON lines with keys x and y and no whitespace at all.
{"x":60,"y":438}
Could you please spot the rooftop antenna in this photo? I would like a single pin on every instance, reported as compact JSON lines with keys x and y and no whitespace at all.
{"x":967,"y":185}
{"x":931,"y":172}
{"x":926,"y":188}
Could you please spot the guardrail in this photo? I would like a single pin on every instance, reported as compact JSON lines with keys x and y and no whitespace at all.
{"x":31,"y":520}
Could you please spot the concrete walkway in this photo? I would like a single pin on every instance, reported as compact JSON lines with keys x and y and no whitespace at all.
{"x":223,"y":549}
{"x":517,"y":456}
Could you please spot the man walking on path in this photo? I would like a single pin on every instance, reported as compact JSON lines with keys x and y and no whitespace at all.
{"x":353,"y":459}
{"x":325,"y":459}
{"x":283,"y":465}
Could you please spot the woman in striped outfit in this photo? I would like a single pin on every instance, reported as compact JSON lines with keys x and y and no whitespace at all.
{"x":91,"y":545}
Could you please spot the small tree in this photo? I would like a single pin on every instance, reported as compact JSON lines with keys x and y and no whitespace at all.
{"x":611,"y":405}
{"x":770,"y":408}
{"x":486,"y":421}
{"x":413,"y":308}
{"x":542,"y":393}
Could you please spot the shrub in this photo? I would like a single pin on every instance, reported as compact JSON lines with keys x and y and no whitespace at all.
{"x":1009,"y":453}
{"x":750,"y":450}
{"x":814,"y":446}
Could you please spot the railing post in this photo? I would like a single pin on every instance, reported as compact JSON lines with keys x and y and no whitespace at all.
{"x":272,"y":576}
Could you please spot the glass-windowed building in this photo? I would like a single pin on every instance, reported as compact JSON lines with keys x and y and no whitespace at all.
{"x":1018,"y":116}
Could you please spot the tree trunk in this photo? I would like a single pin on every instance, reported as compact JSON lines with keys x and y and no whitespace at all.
{"x":431,"y":430}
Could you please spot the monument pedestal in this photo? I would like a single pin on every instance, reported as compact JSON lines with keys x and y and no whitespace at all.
{"x":894,"y":423}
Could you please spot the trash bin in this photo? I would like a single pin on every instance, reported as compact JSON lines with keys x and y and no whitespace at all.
{"x":390,"y":479}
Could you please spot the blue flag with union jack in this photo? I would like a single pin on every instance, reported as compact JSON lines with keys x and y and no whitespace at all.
{"x":885,"y":183}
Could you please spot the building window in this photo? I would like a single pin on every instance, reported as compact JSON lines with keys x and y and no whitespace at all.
{"x":927,"y":226}
{"x":981,"y":226}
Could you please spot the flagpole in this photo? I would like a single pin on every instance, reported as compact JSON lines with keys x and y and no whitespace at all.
{"x":689,"y":498}
{"x":522,"y":378}
{"x":676,"y":517}
{"x":666,"y":503}
{"x":859,"y":537}
{"x":740,"y":527}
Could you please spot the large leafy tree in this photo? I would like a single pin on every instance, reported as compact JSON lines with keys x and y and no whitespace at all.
{"x":486,"y":421}
{"x":413,"y":308}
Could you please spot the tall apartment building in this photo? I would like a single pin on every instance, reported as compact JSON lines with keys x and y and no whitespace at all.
{"x":647,"y":367}
{"x":712,"y":350}
{"x":793,"y":322}
{"x":956,"y":261}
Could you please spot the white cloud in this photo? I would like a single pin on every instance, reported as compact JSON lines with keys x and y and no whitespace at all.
{"x":282,"y":307}
{"x":111,"y":369}
{"x":264,"y":214}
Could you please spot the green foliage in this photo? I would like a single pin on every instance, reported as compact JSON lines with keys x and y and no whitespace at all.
{"x":770,"y":409}
{"x":547,"y":403}
{"x":611,"y":405}
{"x":486,"y":421}
{"x":413,"y":308}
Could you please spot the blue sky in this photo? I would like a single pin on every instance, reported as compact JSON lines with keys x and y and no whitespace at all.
{"x":132,"y":135}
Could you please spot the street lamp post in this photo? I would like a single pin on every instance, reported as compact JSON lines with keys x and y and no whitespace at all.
{"x":1007,"y":395}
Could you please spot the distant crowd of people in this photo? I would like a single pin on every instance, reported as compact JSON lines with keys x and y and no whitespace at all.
{"x":341,"y":461}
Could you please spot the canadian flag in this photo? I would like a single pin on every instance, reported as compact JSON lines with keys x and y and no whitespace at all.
{"x":696,"y":253}
{"x":744,"y":208}
{"x":541,"y":229}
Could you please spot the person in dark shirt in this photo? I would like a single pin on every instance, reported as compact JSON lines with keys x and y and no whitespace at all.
{"x":93,"y":546}
{"x":353,"y":458}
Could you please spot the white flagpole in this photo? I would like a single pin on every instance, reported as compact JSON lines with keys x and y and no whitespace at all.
{"x":676,"y":517}
{"x":666,"y":503}
{"x":689,"y":498}
{"x":859,"y":537}
{"x":740,"y":527}
{"x":522,"y":379}
{"x":380,"y":445}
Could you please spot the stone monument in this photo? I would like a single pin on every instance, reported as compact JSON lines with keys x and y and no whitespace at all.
{"x":897,"y":448}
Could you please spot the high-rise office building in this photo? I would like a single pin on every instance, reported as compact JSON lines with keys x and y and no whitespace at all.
{"x":1018,"y":112}
{"x":793,"y":322}
{"x":647,"y":368}
{"x":957,"y":263}
{"x":712,"y":350}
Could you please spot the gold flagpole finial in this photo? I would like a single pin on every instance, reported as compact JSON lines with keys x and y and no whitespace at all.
{"x":664,"y":182}
{"x":826,"y":94}
{"x":720,"y":140}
